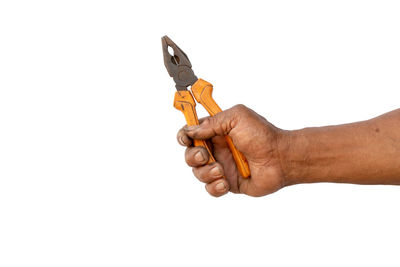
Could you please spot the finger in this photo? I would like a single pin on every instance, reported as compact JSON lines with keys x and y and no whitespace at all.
{"x":201,"y":120}
{"x":209,"y":173}
{"x":220,"y":124}
{"x":218,"y":188}
{"x":183,"y":138}
{"x":196,"y":156}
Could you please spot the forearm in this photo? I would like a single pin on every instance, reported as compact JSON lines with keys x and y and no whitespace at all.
{"x":366,"y":152}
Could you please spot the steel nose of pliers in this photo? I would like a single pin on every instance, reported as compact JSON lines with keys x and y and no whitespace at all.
{"x":179,"y":58}
{"x":180,"y":68}
{"x":178,"y":65}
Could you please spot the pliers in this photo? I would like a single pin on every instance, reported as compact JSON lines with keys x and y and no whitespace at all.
{"x":180,"y":69}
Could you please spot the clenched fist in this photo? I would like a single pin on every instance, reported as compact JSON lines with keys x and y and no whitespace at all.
{"x":253,"y":135}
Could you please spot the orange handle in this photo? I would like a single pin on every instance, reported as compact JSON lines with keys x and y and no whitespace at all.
{"x":202,"y":91}
{"x":184,"y":102}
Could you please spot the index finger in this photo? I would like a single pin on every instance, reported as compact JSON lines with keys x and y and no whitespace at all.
{"x":183,"y":138}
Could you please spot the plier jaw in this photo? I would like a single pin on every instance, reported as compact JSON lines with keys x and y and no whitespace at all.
{"x":178,"y":65}
{"x":180,"y":69}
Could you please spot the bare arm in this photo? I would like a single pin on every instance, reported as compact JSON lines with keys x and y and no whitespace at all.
{"x":366,"y":152}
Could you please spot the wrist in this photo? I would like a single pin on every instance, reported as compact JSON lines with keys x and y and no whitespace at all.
{"x":292,"y":156}
{"x":318,"y":154}
{"x":365,"y":152}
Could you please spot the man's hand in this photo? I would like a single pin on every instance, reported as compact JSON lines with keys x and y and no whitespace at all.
{"x":366,"y":152}
{"x":253,"y":135}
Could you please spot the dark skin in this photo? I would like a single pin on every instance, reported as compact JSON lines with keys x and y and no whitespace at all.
{"x":366,"y":152}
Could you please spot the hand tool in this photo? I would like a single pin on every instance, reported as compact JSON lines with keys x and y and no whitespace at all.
{"x":180,"y":69}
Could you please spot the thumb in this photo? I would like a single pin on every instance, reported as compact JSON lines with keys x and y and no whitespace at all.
{"x":219,"y":125}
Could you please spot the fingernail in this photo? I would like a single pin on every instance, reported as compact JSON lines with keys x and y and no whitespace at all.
{"x":215,"y":171}
{"x":181,"y":140}
{"x":220,"y":187}
{"x":199,"y":157}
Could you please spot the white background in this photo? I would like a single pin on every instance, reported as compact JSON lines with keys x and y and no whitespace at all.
{"x":90,"y":171}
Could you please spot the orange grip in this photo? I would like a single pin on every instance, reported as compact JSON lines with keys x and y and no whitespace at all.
{"x":202,"y":91}
{"x":184,"y":102}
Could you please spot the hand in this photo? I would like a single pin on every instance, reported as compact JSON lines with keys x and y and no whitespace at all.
{"x":253,"y":135}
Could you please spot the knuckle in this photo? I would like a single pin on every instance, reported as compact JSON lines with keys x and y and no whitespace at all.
{"x":240,"y":107}
{"x":202,"y":179}
{"x":212,"y":119}
{"x":238,"y":112}
{"x":207,"y":121}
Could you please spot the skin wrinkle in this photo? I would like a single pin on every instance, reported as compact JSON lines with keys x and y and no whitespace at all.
{"x":366,"y":152}
{"x":280,"y":156}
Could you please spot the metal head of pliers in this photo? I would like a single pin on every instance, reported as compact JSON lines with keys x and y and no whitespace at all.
{"x":178,"y":65}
